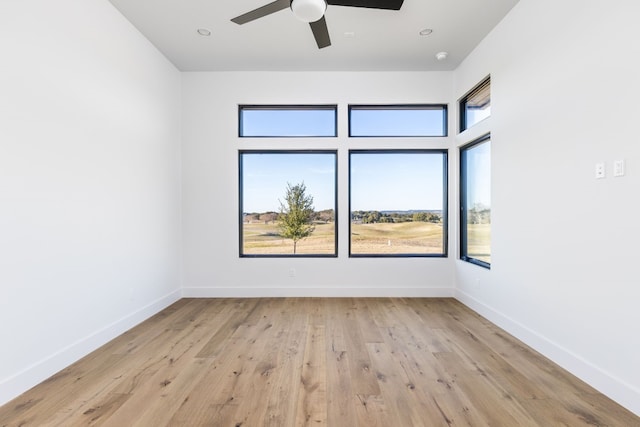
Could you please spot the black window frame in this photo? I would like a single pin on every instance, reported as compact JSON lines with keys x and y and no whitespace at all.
{"x":240,"y":202}
{"x":462,"y":103}
{"x":464,"y":256}
{"x":443,"y":107}
{"x":445,"y":201}
{"x":284,"y":107}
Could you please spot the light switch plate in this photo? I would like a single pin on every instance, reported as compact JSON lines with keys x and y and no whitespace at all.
{"x":618,"y":168}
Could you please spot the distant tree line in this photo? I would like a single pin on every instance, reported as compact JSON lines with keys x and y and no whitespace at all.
{"x":325,"y":216}
{"x":372,"y":217}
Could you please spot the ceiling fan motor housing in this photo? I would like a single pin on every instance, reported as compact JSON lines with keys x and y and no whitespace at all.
{"x":308,"y":10}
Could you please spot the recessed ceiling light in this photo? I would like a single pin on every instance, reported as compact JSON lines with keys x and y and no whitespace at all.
{"x":204,"y":32}
{"x":426,"y":32}
{"x":441,"y":56}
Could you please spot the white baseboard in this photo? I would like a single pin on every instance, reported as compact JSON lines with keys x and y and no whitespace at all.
{"x":615,"y":388}
{"x":317,"y":292}
{"x":17,"y":384}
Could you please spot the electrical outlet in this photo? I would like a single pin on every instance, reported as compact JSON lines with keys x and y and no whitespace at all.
{"x":600,"y":171}
{"x":292,"y":272}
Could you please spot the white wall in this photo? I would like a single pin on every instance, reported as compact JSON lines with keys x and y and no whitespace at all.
{"x":89,"y":183}
{"x":564,"y":278}
{"x":212,"y":266}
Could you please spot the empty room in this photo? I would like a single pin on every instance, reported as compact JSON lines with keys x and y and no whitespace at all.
{"x":319,"y":212}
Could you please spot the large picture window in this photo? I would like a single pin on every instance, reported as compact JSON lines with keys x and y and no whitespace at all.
{"x":281,"y":121}
{"x":288,"y":203}
{"x":397,"y":120}
{"x":475,"y":202}
{"x":398,"y":202}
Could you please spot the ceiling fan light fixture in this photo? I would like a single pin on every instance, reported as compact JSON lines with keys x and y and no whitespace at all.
{"x":308,"y":10}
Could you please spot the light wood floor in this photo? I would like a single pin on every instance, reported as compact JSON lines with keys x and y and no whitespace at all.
{"x":296,"y":362}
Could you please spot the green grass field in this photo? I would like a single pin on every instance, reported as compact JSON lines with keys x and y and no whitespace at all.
{"x":263,"y":239}
{"x":403,"y":238}
{"x":479,"y":241}
{"x":381,"y":238}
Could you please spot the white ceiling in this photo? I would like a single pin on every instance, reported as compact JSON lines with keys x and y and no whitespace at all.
{"x":381,"y":40}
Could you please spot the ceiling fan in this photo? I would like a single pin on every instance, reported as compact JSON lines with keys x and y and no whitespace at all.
{"x":312,"y":11}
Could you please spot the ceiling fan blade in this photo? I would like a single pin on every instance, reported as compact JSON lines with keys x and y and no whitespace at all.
{"x":320,"y":32}
{"x":265,"y":10}
{"x":372,"y":4}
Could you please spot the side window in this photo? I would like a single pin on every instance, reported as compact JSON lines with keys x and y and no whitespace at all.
{"x":475,"y":202}
{"x":476,"y":105}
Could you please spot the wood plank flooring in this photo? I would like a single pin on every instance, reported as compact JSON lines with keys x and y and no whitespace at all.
{"x":315,"y":362}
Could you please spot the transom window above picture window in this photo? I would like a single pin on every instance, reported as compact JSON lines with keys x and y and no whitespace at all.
{"x":280,"y":121}
{"x":397,"y":120}
{"x":398,"y":203}
{"x":476,"y":105}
